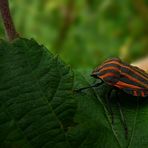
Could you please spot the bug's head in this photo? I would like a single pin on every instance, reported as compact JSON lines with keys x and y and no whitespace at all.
{"x":96,"y":72}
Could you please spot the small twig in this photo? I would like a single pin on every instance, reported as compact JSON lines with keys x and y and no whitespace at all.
{"x":67,"y":22}
{"x":7,"y":20}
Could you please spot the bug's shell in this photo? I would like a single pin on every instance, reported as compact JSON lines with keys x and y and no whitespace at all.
{"x":126,"y":77}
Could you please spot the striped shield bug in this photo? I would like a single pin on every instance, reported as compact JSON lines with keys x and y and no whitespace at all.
{"x":121,"y":76}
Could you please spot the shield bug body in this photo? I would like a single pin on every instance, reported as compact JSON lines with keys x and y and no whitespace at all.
{"x":123,"y":76}
{"x":126,"y":77}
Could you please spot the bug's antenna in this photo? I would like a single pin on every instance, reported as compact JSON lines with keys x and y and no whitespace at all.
{"x":83,"y":88}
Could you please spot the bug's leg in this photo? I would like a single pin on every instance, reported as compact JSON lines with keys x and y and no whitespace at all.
{"x":95,"y":85}
{"x":109,"y":107}
{"x":122,"y":117}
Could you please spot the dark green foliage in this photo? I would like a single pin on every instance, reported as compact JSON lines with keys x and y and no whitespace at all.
{"x":36,"y":99}
{"x":38,"y":107}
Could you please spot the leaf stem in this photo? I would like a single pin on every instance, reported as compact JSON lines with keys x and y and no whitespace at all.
{"x":7,"y":20}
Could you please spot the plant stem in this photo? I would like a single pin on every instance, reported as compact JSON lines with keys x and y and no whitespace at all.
{"x":7,"y":20}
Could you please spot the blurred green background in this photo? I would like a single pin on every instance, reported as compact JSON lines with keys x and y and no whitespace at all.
{"x":85,"y":32}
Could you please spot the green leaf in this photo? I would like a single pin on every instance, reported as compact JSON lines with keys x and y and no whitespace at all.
{"x":94,"y":126}
{"x":38,"y":107}
{"x":36,"y":101}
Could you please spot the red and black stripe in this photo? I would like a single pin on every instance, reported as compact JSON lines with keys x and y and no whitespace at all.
{"x":130,"y":79}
